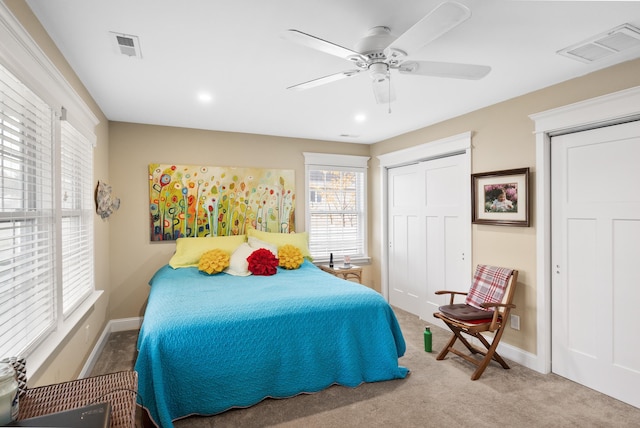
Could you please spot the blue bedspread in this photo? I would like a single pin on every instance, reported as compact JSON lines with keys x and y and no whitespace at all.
{"x":210,"y":343}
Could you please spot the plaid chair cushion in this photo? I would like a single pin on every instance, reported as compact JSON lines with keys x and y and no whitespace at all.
{"x":489,"y":285}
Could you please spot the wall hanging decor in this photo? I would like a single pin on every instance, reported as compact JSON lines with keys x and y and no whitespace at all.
{"x":106,"y":203}
{"x":197,"y":201}
{"x":501,"y":197}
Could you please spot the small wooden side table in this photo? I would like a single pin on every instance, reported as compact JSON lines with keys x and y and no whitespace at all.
{"x":352,"y":272}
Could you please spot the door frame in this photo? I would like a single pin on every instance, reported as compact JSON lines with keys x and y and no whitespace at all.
{"x":618,"y":107}
{"x":459,"y":144}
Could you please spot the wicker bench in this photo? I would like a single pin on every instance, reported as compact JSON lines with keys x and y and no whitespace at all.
{"x":119,"y":389}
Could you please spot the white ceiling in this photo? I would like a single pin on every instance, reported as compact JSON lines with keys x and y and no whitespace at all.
{"x":234,"y":51}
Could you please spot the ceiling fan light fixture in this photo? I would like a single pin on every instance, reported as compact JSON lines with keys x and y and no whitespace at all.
{"x":379,"y":70}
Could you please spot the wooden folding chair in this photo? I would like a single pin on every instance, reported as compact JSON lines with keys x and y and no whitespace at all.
{"x":486,"y":309}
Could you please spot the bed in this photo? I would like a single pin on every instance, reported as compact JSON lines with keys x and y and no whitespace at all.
{"x":209,"y":343}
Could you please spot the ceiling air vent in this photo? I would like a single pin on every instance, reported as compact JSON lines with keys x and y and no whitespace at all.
{"x":615,"y":41}
{"x":126,"y":44}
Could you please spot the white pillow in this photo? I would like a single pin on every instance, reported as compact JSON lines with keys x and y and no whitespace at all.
{"x":238,"y":264}
{"x":256,"y":244}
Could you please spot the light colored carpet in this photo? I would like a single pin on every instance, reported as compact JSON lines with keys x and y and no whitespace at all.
{"x":435,"y":394}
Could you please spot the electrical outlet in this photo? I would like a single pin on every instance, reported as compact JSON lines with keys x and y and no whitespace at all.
{"x":515,"y":322}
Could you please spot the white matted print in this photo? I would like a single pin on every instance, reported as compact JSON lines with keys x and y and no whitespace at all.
{"x":501,"y":197}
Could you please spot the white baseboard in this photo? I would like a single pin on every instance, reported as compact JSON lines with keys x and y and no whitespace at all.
{"x":123,"y":324}
{"x":520,"y":356}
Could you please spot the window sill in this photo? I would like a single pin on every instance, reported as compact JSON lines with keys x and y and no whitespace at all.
{"x":38,"y":357}
{"x":358,"y":261}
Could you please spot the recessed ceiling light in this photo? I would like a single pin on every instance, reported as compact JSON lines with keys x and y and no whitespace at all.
{"x":205,"y":97}
{"x":361,"y":117}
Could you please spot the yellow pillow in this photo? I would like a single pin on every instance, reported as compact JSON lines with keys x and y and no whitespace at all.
{"x":290,"y":257}
{"x":190,"y":250}
{"x":213,"y":261}
{"x":300,"y":240}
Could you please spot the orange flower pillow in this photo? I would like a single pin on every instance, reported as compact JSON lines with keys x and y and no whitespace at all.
{"x":214,"y":261}
{"x":290,"y":257}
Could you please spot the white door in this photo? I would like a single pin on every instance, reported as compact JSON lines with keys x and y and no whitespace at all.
{"x":406,"y":237}
{"x":429,"y":233}
{"x":596,"y":252}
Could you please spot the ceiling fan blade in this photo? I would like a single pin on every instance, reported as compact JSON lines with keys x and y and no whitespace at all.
{"x":445,"y":69}
{"x":324,"y":80}
{"x":443,"y":18}
{"x":321,"y":45}
{"x":383,"y":90}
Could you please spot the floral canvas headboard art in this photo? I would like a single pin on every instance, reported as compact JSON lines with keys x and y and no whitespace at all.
{"x":198,"y":201}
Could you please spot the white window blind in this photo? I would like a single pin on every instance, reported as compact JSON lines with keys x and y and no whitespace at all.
{"x":336,"y":205}
{"x":76,"y":217}
{"x":27,"y":273}
{"x":46,"y":219}
{"x":38,"y":310}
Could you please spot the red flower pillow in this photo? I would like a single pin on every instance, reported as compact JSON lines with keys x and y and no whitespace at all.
{"x":262,"y":262}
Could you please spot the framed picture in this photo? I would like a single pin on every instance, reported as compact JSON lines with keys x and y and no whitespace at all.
{"x":501,"y":197}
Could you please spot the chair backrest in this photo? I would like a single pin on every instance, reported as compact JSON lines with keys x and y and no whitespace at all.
{"x":491,"y":284}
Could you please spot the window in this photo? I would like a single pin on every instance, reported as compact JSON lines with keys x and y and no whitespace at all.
{"x":336,"y":205}
{"x":46,"y":219}
{"x":26,"y":217}
{"x":76,"y":217}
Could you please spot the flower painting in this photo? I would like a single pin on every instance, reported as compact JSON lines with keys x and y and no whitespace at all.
{"x":198,"y":201}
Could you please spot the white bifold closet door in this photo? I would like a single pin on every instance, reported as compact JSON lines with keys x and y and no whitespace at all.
{"x":429,"y":233}
{"x":596,"y":258}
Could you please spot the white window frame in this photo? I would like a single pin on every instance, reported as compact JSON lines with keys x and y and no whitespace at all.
{"x":21,"y":55}
{"x":315,"y":161}
{"x":75,"y":218}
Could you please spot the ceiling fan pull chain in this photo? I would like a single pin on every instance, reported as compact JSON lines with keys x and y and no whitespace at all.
{"x":389,"y":97}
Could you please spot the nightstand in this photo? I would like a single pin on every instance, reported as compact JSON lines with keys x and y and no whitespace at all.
{"x":353,"y":272}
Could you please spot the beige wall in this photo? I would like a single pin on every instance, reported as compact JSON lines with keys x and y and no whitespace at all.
{"x":69,"y":358}
{"x":502,"y":138}
{"x":132,"y":147}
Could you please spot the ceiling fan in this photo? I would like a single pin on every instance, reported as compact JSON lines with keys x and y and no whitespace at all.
{"x":379,"y":52}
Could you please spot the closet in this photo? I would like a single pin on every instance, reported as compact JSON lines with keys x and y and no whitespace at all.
{"x":429,"y":231}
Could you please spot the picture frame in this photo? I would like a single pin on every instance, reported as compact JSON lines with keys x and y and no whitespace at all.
{"x":501,"y":197}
